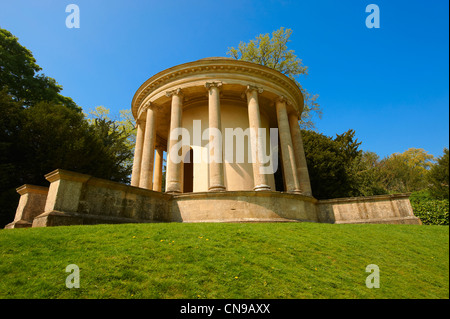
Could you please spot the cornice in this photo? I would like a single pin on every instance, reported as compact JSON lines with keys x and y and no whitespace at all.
{"x":215,"y":65}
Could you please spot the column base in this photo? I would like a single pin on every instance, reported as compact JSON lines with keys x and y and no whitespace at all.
{"x":261,"y":187}
{"x":173,"y":192}
{"x":173,"y":187}
{"x":296,"y":191}
{"x":217,"y":188}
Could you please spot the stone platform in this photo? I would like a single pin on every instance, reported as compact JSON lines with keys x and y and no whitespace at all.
{"x":78,"y":199}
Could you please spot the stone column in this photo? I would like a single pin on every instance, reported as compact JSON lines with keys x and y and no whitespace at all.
{"x":148,"y":151}
{"x":173,"y":173}
{"x":216,"y":178}
{"x":300,"y":159}
{"x":287,"y":149}
{"x":254,"y":119}
{"x":135,"y":175}
{"x":157,"y":184}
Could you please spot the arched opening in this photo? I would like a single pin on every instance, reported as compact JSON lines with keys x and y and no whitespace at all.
{"x":188,"y":172}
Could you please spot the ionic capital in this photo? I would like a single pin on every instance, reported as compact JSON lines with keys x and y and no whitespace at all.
{"x":251,"y":88}
{"x":147,"y":105}
{"x":174,"y":92}
{"x":159,"y":147}
{"x":139,"y":122}
{"x":142,"y":110}
{"x":209,"y":85}
{"x":282,"y":99}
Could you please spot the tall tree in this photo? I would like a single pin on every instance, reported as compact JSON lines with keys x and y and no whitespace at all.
{"x":51,"y":136}
{"x":438,"y":177}
{"x":39,"y":139}
{"x":331,"y":164}
{"x":10,"y":124}
{"x":41,"y":130}
{"x":273,"y":52}
{"x":407,"y":171}
{"x":124,"y":122}
{"x":116,"y":163}
{"x":22,"y":77}
{"x":366,"y":170}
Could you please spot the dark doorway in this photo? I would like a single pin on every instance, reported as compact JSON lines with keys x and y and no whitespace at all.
{"x":188,"y":172}
{"x":278,"y":175}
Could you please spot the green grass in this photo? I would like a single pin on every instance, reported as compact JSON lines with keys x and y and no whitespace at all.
{"x":267,"y":260}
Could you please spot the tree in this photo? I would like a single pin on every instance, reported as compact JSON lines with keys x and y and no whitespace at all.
{"x":123,"y":123}
{"x":331,"y":164}
{"x":41,"y":130}
{"x":438,"y":177}
{"x":338,"y":168}
{"x":115,"y":153}
{"x":54,"y":137}
{"x":21,"y":76}
{"x":274,"y":53}
{"x":405,"y":172}
{"x":366,"y":170}
{"x":10,"y":120}
{"x":39,"y":139}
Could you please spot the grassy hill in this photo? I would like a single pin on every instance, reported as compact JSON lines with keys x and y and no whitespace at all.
{"x":267,"y":260}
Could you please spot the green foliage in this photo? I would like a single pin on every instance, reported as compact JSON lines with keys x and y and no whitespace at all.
{"x":10,"y":120}
{"x":39,"y":139}
{"x":19,"y":73}
{"x":405,"y":172}
{"x":41,"y":130}
{"x":438,"y":177}
{"x":431,"y":211}
{"x":123,"y":123}
{"x":274,"y":53}
{"x":207,"y":260}
{"x":271,"y":52}
{"x":331,"y":164}
{"x":115,"y":153}
{"x":337,"y":168}
{"x":366,"y":169}
{"x":49,"y":136}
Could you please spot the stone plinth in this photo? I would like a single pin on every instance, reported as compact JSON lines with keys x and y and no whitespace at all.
{"x":381,"y":209}
{"x":31,"y":204}
{"x":244,"y":206}
{"x":78,"y":199}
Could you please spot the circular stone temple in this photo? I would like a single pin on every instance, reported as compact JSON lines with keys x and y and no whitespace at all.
{"x":231,"y":125}
{"x":229,"y":132}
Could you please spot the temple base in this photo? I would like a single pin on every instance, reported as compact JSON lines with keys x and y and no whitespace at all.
{"x":77,"y":199}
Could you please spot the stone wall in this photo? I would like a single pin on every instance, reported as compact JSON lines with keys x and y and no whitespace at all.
{"x":244,"y":206}
{"x":82,"y":199}
{"x":384,"y":209}
{"x":78,"y":199}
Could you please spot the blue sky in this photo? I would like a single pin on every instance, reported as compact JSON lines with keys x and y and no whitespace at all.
{"x":389,"y":84}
